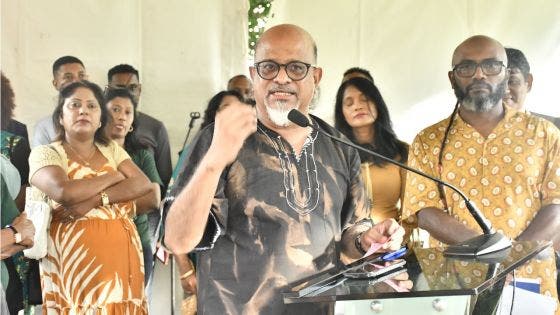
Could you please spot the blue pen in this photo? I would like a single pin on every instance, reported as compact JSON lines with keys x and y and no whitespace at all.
{"x":394,"y":255}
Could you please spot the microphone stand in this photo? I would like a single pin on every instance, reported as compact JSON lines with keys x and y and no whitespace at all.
{"x":486,"y":243}
{"x":194,"y":116}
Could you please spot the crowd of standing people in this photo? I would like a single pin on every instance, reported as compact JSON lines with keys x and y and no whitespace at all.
{"x":257,"y":202}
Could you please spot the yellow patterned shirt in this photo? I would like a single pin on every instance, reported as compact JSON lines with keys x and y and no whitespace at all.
{"x":509,"y":175}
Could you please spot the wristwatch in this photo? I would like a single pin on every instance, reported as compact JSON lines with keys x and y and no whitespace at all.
{"x":104,"y":198}
{"x":358,"y":243}
{"x":17,"y":235}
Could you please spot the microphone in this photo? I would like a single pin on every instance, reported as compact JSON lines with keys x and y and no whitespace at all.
{"x":486,"y":243}
{"x":194,"y":116}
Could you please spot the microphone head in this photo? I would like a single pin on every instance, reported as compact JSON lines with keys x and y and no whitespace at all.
{"x":298,"y":118}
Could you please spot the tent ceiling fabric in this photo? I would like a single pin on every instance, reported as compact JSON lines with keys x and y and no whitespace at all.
{"x":407,"y":45}
{"x":186,"y":50}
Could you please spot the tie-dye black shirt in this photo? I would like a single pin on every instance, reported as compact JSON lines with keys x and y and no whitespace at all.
{"x":276,"y":218}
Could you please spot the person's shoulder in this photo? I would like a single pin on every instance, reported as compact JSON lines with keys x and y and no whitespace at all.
{"x":547,"y":117}
{"x":142,"y":153}
{"x":17,"y":128}
{"x":144,"y":118}
{"x":432,"y":131}
{"x":110,"y":147}
{"x":554,"y":120}
{"x":113,"y":150}
{"x":46,"y":120}
{"x":17,"y":124}
{"x":52,"y":151}
{"x":54,"y":146}
{"x":537,"y":122}
{"x":534,"y":127}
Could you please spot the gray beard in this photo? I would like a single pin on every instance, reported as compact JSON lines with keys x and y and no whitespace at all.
{"x":482,"y":103}
{"x":478,"y":104}
{"x":278,"y":115}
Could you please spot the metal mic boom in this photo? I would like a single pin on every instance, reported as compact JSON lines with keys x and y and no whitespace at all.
{"x":483,"y":244}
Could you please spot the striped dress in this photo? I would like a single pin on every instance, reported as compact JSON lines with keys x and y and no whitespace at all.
{"x":94,"y":264}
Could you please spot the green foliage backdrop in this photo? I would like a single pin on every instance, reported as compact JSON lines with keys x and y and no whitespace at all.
{"x":259,"y":12}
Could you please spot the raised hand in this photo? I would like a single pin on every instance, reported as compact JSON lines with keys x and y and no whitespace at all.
{"x":235,"y":121}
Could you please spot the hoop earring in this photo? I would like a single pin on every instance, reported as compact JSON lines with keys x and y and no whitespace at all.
{"x":130,"y":129}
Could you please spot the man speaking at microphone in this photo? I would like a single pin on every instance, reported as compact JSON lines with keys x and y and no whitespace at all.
{"x":506,"y":161}
{"x":266,"y":202}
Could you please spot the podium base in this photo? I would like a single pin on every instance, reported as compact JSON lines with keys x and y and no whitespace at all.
{"x":479,"y":246}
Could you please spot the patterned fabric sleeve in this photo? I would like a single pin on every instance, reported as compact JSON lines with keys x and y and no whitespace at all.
{"x":551,"y":182}
{"x":146,"y":162}
{"x":356,"y":207}
{"x":357,"y":202}
{"x":42,"y":156}
{"x":355,"y":212}
{"x":216,"y":225}
{"x":420,"y":192}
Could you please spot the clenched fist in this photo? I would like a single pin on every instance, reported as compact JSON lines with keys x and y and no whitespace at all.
{"x":235,"y":121}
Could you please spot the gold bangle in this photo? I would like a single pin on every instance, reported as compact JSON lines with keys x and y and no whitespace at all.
{"x":186,"y":274}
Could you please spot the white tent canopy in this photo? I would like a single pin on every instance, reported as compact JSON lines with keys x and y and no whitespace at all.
{"x":187,"y":50}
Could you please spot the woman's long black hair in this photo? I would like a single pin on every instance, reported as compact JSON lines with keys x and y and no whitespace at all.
{"x":385,"y":141}
{"x":214,"y":105}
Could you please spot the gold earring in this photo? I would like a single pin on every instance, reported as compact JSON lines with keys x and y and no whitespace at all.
{"x":130,"y":129}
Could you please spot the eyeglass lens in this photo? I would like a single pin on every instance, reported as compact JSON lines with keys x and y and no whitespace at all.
{"x":296,"y":70}
{"x":489,"y":67}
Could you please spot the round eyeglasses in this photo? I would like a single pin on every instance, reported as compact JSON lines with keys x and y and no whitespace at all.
{"x":296,"y":70}
{"x":489,"y":67}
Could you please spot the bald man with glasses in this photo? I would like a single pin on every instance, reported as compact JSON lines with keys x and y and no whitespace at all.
{"x":506,"y":161}
{"x":264,"y":202}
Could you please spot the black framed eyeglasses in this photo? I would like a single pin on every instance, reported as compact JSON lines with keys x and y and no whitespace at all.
{"x":296,"y":70}
{"x":489,"y":67}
